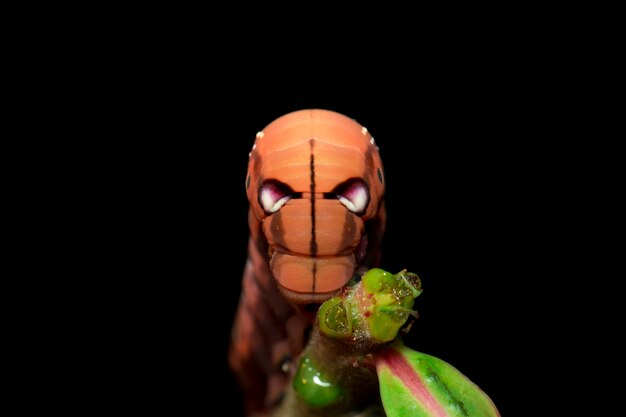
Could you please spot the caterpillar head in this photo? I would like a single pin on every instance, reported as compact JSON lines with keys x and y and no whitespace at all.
{"x":315,"y":179}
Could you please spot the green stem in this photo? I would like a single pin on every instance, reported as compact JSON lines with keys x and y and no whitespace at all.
{"x":336,"y":374}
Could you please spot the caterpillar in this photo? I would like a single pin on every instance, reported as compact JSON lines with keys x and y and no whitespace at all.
{"x":315,"y":185}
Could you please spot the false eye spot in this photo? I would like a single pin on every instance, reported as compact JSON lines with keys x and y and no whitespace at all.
{"x":273,"y":195}
{"x":353,"y":194}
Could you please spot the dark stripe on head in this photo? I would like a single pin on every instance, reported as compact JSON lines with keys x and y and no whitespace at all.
{"x":313,"y":244}
{"x":256,"y":173}
{"x":277,"y":230}
{"x":349,"y":230}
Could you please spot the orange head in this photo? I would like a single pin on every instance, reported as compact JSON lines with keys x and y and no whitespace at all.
{"x":314,"y":180}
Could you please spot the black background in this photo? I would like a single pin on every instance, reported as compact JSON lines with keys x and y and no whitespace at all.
{"x":457,"y":156}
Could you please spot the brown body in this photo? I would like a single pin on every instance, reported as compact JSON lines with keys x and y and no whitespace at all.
{"x":315,"y":185}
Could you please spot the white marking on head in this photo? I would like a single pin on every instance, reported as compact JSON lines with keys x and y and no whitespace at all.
{"x":364,"y":130}
{"x":254,"y":146}
{"x":355,"y":198}
{"x":272,"y":199}
{"x":260,"y":134}
{"x":372,"y":140}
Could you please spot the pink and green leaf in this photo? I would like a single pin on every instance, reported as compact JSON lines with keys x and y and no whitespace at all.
{"x":419,"y":385}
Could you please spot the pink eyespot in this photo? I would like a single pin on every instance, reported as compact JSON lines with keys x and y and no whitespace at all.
{"x":353,"y":194}
{"x":273,"y":195}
